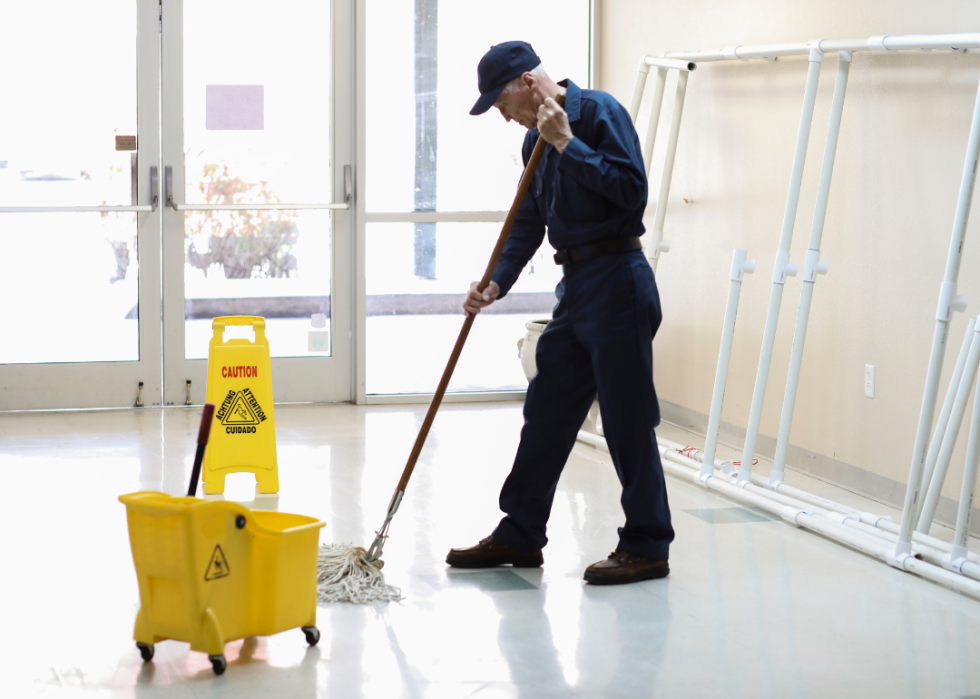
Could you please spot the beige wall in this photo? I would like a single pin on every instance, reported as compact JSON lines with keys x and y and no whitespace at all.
{"x":899,"y":163}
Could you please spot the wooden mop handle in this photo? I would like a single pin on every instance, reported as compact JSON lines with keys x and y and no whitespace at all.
{"x":522,"y":188}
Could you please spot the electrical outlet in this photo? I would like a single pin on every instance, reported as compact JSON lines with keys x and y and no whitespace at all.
{"x":869,"y":380}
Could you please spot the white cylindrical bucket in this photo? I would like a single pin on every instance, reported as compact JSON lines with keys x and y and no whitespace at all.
{"x":528,"y":345}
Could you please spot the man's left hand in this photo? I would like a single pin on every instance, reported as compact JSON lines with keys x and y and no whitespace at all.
{"x":553,"y":125}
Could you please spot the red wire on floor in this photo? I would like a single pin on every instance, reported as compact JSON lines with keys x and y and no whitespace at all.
{"x":689,"y":451}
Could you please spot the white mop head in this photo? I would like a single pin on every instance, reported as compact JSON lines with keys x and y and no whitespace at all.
{"x":345,"y":575}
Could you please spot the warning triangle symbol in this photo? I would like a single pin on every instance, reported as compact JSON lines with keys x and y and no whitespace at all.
{"x":218,"y":567}
{"x":241,"y":413}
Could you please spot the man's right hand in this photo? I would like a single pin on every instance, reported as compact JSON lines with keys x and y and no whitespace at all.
{"x":476,"y":301}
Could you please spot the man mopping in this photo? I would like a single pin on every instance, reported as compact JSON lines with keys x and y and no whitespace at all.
{"x":589,"y":192}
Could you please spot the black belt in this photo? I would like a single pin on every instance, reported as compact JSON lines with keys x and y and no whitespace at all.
{"x":610,"y":246}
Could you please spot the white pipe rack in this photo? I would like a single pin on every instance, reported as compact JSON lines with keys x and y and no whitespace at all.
{"x":948,"y":300}
{"x":945,"y":563}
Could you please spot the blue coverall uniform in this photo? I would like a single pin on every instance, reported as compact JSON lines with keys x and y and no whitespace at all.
{"x":599,"y":339}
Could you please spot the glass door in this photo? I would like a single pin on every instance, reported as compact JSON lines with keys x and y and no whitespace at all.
{"x":257,"y":185}
{"x":79,"y":229}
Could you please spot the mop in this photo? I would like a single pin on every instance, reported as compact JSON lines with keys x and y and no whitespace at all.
{"x":351,"y":573}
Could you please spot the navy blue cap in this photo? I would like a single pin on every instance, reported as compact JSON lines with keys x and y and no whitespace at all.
{"x":501,"y":64}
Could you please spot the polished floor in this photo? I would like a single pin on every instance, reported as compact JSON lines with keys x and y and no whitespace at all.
{"x":753,"y":607}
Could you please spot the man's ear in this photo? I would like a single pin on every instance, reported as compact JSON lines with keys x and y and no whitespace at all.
{"x":529,"y":79}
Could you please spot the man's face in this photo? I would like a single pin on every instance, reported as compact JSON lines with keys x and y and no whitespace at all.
{"x":520,"y":106}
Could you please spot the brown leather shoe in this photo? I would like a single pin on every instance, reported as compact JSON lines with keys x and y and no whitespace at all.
{"x":622,"y":567}
{"x":490,"y":553}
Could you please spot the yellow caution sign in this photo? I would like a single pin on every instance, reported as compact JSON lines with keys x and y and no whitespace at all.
{"x":243,"y":435}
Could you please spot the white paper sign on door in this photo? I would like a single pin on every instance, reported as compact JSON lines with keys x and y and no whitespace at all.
{"x":235,"y":108}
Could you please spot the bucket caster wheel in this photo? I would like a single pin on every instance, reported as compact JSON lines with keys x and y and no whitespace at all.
{"x":218,"y":664}
{"x":312,"y":635}
{"x":146,"y":650}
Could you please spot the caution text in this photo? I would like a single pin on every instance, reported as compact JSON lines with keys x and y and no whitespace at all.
{"x":239,"y":372}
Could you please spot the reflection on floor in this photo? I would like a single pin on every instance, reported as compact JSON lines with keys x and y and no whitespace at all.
{"x":754,"y":608}
{"x":729,"y":515}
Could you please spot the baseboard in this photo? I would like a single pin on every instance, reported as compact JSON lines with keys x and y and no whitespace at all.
{"x":847,"y":476}
{"x":464,"y":397}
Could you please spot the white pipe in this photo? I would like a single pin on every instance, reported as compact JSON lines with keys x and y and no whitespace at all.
{"x":932,"y":554}
{"x":921,"y":42}
{"x":792,"y":385}
{"x":931,"y":500}
{"x":882,"y":523}
{"x":948,"y":302}
{"x":851,"y":520}
{"x":812,"y":267}
{"x":740,"y":265}
{"x":653,"y":124}
{"x":657,"y":243}
{"x":669,"y":63}
{"x":940,"y":429}
{"x":831,"y":529}
{"x":908,"y":42}
{"x":859,"y":529}
{"x":637,"y":97}
{"x":782,"y":267}
{"x":958,"y":557}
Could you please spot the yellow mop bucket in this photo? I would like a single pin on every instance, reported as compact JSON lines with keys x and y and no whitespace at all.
{"x":243,"y":438}
{"x":212,"y":571}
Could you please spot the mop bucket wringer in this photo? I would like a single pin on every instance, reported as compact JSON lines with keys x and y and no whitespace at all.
{"x":212,"y":571}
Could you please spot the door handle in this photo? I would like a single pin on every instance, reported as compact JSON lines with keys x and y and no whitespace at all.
{"x":168,"y":191}
{"x":154,"y":187}
{"x":140,"y":208}
{"x":168,"y":176}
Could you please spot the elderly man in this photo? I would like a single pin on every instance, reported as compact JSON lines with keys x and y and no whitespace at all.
{"x":589,"y":192}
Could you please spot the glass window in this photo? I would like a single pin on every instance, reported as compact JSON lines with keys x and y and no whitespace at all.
{"x":69,"y":288}
{"x":477,"y":159}
{"x":413,"y":323}
{"x":425,"y":152}
{"x":257,"y":131}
